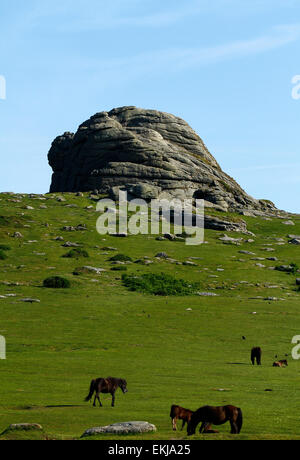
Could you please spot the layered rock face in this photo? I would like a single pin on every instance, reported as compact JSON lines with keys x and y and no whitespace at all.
{"x":150,"y":154}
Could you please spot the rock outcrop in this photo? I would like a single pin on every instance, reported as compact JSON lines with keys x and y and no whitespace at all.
{"x":150,"y":154}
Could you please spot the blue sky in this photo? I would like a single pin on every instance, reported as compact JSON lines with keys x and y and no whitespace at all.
{"x":225,"y":66}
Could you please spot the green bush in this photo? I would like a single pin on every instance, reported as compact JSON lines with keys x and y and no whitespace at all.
{"x":56,"y":282}
{"x":119,"y":268}
{"x":3,"y":256}
{"x":295,"y":268}
{"x":4,"y":247}
{"x":75,"y":253}
{"x":291,"y":269}
{"x":120,"y":258}
{"x":162,"y":285}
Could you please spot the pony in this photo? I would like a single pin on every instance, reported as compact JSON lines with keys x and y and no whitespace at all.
{"x":256,"y":355}
{"x":210,"y":415}
{"x":179,"y":413}
{"x":109,"y":385}
{"x":280,"y":363}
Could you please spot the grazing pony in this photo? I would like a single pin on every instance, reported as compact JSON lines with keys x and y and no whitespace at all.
{"x":256,"y":355}
{"x":180,"y":413}
{"x":210,"y":415}
{"x":109,"y":385}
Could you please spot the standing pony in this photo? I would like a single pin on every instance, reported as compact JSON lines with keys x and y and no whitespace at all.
{"x":256,"y":355}
{"x":179,"y":413}
{"x":210,"y":415}
{"x":109,"y":385}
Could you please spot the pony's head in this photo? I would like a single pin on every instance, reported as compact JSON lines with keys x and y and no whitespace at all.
{"x":123,"y":385}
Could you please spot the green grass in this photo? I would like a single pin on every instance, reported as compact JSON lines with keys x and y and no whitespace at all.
{"x":171,"y":350}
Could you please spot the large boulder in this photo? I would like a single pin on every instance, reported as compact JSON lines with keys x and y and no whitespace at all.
{"x":147,"y":153}
{"x":121,"y":428}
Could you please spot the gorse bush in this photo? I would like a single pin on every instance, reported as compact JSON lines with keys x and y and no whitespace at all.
{"x":75,"y":253}
{"x":56,"y":282}
{"x":162,"y":284}
{"x":119,"y":268}
{"x":3,"y":256}
{"x":4,"y":247}
{"x":120,"y":258}
{"x":294,"y":269}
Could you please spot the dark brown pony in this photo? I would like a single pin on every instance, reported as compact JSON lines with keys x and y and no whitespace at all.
{"x":210,"y":415}
{"x":109,"y":385}
{"x":256,"y":355}
{"x":179,"y":413}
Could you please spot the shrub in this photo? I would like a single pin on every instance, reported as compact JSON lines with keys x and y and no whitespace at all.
{"x":294,"y":269}
{"x":3,"y":256}
{"x":75,"y":253}
{"x":4,"y":247}
{"x":120,"y":258}
{"x":119,"y":268}
{"x":162,"y":284}
{"x":56,"y":282}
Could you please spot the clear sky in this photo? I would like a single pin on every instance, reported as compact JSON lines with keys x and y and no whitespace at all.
{"x":225,"y":66}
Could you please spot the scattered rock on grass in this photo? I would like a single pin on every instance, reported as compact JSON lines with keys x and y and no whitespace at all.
{"x":121,"y":428}
{"x":30,"y":300}
{"x":23,"y":427}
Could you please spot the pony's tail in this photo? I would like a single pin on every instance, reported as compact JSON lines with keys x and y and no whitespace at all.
{"x":92,"y":389}
{"x":239,"y":420}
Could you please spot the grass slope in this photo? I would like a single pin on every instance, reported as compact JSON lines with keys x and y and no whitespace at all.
{"x":168,"y":355}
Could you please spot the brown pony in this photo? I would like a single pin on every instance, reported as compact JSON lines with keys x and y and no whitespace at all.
{"x":256,"y":355}
{"x":281,"y":363}
{"x":210,"y":415}
{"x":109,"y":385}
{"x":180,"y":413}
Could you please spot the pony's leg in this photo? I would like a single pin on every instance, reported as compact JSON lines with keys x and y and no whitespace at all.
{"x":113,"y":400}
{"x":174,"y":423}
{"x":234,"y":428}
{"x":202,"y":428}
{"x":95,"y":399}
{"x":183,"y":424}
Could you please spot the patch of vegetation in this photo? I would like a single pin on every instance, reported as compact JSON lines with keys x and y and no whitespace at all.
{"x":291,"y":269}
{"x":120,"y":258}
{"x":119,"y":268}
{"x":4,"y":221}
{"x":75,"y":253}
{"x":3,"y":256}
{"x":295,"y":268}
{"x":159,"y":284}
{"x":227,"y":187}
{"x":4,"y":247}
{"x":56,"y":282}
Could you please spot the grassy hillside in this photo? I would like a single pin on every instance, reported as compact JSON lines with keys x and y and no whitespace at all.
{"x":168,"y":353}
